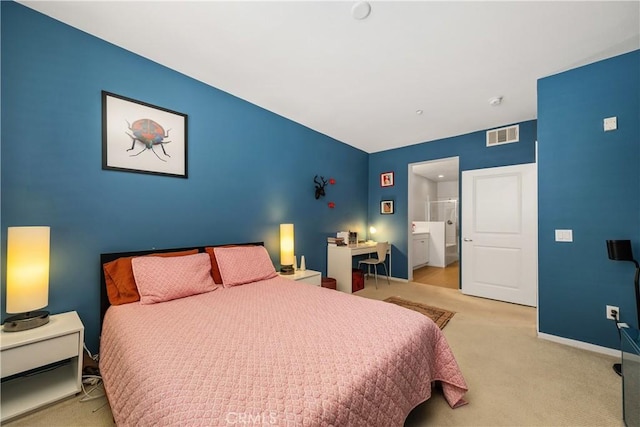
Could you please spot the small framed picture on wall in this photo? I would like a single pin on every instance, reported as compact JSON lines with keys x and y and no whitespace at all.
{"x":386,"y":179}
{"x":386,"y":207}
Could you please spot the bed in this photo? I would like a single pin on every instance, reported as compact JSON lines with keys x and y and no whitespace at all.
{"x":262,"y":349}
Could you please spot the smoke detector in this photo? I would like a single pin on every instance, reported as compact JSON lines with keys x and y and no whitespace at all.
{"x":361,"y":10}
{"x":495,"y":101}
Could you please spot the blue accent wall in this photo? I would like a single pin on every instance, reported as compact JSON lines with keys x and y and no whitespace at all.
{"x":473,"y":154}
{"x":589,"y":181}
{"x":249,"y":169}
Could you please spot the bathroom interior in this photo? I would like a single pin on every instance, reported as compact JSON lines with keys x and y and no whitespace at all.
{"x":434,"y":219}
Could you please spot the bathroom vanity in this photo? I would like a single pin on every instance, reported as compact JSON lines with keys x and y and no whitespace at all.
{"x":420,"y":249}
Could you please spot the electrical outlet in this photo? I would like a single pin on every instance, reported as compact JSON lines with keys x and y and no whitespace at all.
{"x":610,"y":310}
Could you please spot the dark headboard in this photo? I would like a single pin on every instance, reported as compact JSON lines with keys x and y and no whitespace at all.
{"x":104,"y":258}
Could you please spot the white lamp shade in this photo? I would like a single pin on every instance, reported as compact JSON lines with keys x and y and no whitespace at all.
{"x":27,"y":268}
{"x":286,"y":244}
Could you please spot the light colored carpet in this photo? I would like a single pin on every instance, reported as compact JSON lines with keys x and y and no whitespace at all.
{"x":514,"y":378}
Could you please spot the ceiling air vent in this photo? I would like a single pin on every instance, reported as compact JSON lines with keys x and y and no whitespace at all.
{"x":503,"y":135}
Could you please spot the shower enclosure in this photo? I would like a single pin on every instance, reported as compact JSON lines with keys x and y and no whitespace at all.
{"x":442,"y":216}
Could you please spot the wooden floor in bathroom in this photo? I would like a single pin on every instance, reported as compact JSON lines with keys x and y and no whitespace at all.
{"x":447,"y":277}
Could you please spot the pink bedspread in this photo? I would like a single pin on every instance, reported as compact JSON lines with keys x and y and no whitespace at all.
{"x":275,"y":352}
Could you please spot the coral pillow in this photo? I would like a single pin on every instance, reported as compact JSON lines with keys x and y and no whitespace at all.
{"x":118,"y":275}
{"x":162,"y":279}
{"x":244,"y":264}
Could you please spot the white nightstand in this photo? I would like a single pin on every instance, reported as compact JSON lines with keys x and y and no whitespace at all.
{"x":307,"y":276}
{"x":58,"y":345}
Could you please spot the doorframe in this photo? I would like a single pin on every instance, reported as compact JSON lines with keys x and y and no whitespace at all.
{"x":410,"y":208}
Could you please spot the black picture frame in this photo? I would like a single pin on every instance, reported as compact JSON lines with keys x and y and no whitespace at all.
{"x":387,"y":207}
{"x":134,"y":135}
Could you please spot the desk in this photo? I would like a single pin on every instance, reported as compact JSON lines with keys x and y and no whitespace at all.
{"x":340,"y":262}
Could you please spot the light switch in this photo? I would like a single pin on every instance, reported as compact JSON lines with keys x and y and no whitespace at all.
{"x":610,"y":123}
{"x":564,"y":235}
{"x":568,"y":235}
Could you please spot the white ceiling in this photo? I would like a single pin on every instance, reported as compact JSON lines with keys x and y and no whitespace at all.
{"x":438,"y":170}
{"x":362,"y":81}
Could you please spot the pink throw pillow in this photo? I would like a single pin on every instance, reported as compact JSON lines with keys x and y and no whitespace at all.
{"x":162,"y":279}
{"x":244,"y":264}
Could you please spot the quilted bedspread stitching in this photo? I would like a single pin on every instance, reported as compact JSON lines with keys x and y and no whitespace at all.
{"x":273,"y":352}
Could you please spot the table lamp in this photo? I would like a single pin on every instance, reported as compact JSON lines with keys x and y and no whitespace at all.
{"x":286,"y":249}
{"x":27,"y":277}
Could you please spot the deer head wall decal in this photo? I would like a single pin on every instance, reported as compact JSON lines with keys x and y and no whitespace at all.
{"x":320,"y":186}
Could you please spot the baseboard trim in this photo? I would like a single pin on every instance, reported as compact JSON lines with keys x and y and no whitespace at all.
{"x":580,"y":344}
{"x":383,"y":277}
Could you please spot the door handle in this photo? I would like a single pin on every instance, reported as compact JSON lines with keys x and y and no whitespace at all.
{"x":467,"y":240}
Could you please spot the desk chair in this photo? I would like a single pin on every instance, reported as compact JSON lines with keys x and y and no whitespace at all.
{"x":381,"y":249}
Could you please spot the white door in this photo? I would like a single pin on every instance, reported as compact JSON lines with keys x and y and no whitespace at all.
{"x":500,"y":233}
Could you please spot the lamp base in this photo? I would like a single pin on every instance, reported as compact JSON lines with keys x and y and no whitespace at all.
{"x":24,"y":321}
{"x":287,"y":269}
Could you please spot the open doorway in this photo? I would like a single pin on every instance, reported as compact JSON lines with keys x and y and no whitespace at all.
{"x":434,"y":222}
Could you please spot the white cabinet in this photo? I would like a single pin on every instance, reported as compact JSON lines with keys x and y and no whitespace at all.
{"x":311,"y":277}
{"x":57,"y":346}
{"x":420,"y":249}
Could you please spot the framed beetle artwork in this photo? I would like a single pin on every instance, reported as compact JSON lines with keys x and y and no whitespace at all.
{"x":142,"y":138}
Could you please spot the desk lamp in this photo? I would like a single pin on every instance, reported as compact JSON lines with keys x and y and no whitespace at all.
{"x":27,"y":277}
{"x":620,"y":250}
{"x":372,"y":231}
